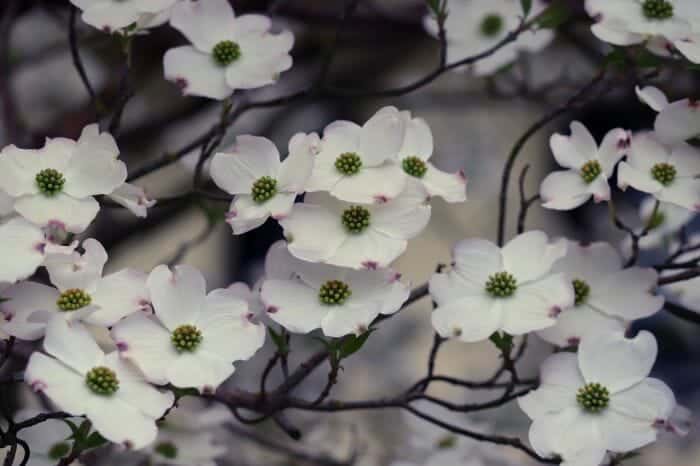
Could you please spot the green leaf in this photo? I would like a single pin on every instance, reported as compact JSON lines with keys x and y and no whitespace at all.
{"x":555,"y":15}
{"x":82,"y":432}
{"x":503,"y":341}
{"x":72,"y":426}
{"x":646,"y":59}
{"x":93,"y":441}
{"x":279,"y":340}
{"x":616,"y":58}
{"x":527,"y":7}
{"x":180,"y":392}
{"x":352,"y":344}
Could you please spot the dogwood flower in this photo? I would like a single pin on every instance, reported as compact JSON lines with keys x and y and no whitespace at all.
{"x":194,"y":337}
{"x":588,"y":167}
{"x":227,"y":53}
{"x":413,"y":157}
{"x":338,"y":300}
{"x":668,"y":173}
{"x":652,"y":96}
{"x":598,"y":400}
{"x":112,"y":15}
{"x":263,"y":186}
{"x":24,"y":248}
{"x":357,"y":163}
{"x":510,"y":289}
{"x":81,"y":380}
{"x":56,"y":184}
{"x":81,"y":293}
{"x":607,"y":295}
{"x":663,"y":222}
{"x":49,"y":441}
{"x":354,"y":235}
{"x":474,"y":26}
{"x":676,"y":121}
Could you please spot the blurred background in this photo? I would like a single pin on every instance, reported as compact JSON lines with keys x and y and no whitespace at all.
{"x":475,"y":122}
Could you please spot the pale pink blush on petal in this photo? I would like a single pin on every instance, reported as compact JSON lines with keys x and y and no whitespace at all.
{"x":370,"y":265}
{"x":381,"y":199}
{"x":271,"y":309}
{"x":122,"y":346}
{"x":554,"y":311}
{"x":38,"y":386}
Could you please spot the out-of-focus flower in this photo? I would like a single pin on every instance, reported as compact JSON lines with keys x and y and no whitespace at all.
{"x":111,"y":15}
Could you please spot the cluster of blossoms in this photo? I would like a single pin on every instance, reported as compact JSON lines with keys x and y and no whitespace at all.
{"x":348,"y":201}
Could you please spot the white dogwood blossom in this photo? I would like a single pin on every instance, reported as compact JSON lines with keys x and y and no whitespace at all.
{"x":227,"y":52}
{"x":133,"y":198}
{"x":607,"y":295}
{"x":82,"y":380}
{"x":263,"y":186}
{"x":588,"y":167}
{"x":358,"y":163}
{"x":475,"y":26}
{"x":338,"y":300}
{"x":194,"y":337}
{"x":598,"y":400}
{"x":80,"y":293}
{"x":491,"y":289}
{"x":677,"y":121}
{"x":669,"y":173}
{"x":413,"y":157}
{"x":663,"y":221}
{"x":113,"y":15}
{"x":57,"y":183}
{"x":355,"y":235}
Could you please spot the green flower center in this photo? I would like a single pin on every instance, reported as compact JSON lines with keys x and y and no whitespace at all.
{"x":186,"y":338}
{"x":414,"y":167}
{"x":73,"y":299}
{"x":348,"y":163}
{"x":664,"y":173}
{"x":657,"y":219}
{"x":590,"y":171}
{"x":166,"y":450}
{"x":501,"y":285}
{"x":334,"y":292}
{"x":356,"y":219}
{"x":657,"y":9}
{"x":59,"y":450}
{"x":593,"y":397}
{"x":226,"y":52}
{"x":264,"y":189}
{"x":50,"y":182}
{"x":491,"y":25}
{"x":102,"y":381}
{"x":581,"y":291}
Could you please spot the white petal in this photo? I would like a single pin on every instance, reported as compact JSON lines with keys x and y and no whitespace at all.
{"x":117,"y":295}
{"x":652,"y":96}
{"x":18,"y":170}
{"x":279,"y":262}
{"x":199,"y":370}
{"x":404,"y":217}
{"x":296,"y":168}
{"x":340,"y":137}
{"x":686,"y":159}
{"x":281,"y":205}
{"x":470,"y":319}
{"x":617,"y":362}
{"x":572,"y":434}
{"x":245,"y":214}
{"x":651,"y":402}
{"x":75,"y":270}
{"x":92,"y":171}
{"x":536,"y":305}
{"x":371,"y":184}
{"x":21,"y":301}
{"x":177,"y":296}
{"x":314,"y":233}
{"x":418,"y":140}
{"x":227,"y":331}
{"x":627,"y":294}
{"x":574,"y":150}
{"x":146,"y":344}
{"x":450,"y":286}
{"x":21,"y":246}
{"x":133,"y":198}
{"x":74,"y":214}
{"x":121,"y":423}
{"x":204,"y":23}
{"x":530,"y":255}
{"x":65,"y":387}
{"x":683,"y":192}
{"x":614,"y":32}
{"x":348,"y":320}
{"x":646,"y":151}
{"x":250,"y":159}
{"x":450,"y":186}
{"x":689,"y":47}
{"x":370,"y":249}
{"x":476,"y":260}
{"x":111,"y":16}
{"x":578,"y":323}
{"x":615,"y":144}
{"x":195,"y":73}
{"x":382,"y":137}
{"x":678,"y":121}
{"x":592,"y":263}
{"x":627,"y":176}
{"x":293,"y":305}
{"x":72,"y":344}
{"x":564,"y":190}
{"x":251,"y":24}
